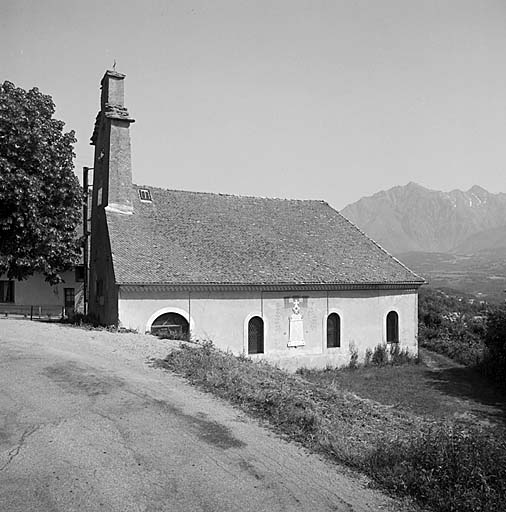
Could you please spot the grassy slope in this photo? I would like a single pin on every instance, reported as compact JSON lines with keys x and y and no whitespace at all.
{"x":449,"y":393}
{"x":446,"y":465}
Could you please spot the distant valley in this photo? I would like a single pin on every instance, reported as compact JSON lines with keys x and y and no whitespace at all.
{"x":482,"y":274}
{"x":454,"y":239}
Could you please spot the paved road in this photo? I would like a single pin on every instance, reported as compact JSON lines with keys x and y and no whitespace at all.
{"x":87,"y":425}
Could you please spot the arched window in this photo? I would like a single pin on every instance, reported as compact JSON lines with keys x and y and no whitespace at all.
{"x":256,"y":335}
{"x":392,"y":327}
{"x":333,"y":330}
{"x":172,"y":326}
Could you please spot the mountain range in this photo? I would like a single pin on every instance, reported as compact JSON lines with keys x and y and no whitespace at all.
{"x":454,"y":239}
{"x":414,"y":218}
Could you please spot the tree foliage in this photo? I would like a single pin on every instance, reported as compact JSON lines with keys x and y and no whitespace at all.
{"x":40,"y":196}
{"x":451,"y":325}
{"x":495,"y":340}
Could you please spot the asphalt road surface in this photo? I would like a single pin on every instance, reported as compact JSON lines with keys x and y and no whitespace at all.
{"x":87,"y":425}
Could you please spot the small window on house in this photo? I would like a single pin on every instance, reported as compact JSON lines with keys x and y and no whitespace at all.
{"x":6,"y":291}
{"x":79,"y":273}
{"x":392,"y":327}
{"x":145,"y":195}
{"x":256,"y":335}
{"x":333,"y":330}
{"x":99,"y":196}
{"x":69,"y":301}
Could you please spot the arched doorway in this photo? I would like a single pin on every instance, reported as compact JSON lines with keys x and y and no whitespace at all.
{"x":171,"y":326}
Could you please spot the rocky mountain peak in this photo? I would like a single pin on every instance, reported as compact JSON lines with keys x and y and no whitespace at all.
{"x":415,"y":218}
{"x":479,"y":191}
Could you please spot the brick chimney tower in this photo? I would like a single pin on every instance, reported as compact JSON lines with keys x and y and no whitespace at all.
{"x":112,"y":193}
{"x":112,"y":177}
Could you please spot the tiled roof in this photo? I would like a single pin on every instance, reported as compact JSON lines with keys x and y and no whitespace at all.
{"x":202,"y":238}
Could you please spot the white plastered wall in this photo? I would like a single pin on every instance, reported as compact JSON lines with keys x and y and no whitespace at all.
{"x":35,"y":290}
{"x":222,"y":317}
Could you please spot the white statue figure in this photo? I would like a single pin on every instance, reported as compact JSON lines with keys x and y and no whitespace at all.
{"x":296,"y":327}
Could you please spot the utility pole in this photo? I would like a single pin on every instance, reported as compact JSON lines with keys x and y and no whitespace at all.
{"x":85,"y":243}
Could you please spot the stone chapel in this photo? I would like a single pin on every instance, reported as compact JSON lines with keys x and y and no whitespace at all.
{"x":289,"y":281}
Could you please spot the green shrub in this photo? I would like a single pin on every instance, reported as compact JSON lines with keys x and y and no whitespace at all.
{"x":451,"y":326}
{"x":398,"y":356}
{"x":495,"y":340}
{"x":353,"y":357}
{"x":367,"y":357}
{"x":459,"y":346}
{"x":380,"y":355}
{"x":445,"y":467}
{"x":392,"y":354}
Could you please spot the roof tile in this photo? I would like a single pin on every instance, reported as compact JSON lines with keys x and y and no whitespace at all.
{"x":198,"y":238}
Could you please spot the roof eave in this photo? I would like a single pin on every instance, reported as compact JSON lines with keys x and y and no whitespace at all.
{"x":147,"y":286}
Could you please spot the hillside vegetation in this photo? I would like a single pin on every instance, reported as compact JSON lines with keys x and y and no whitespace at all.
{"x":452,"y":325}
{"x":444,"y":464}
{"x":470,"y":332}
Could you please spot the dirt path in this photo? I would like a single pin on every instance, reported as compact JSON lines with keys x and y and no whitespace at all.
{"x":87,"y":425}
{"x":436,"y":361}
{"x":468,"y":396}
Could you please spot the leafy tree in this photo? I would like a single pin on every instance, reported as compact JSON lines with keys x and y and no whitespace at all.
{"x":495,"y":339}
{"x":40,"y":196}
{"x":447,"y":325}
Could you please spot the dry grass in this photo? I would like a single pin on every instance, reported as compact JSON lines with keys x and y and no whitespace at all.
{"x":451,"y":393}
{"x":406,"y":452}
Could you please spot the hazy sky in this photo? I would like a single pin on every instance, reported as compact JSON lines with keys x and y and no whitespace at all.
{"x":316,"y":99}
